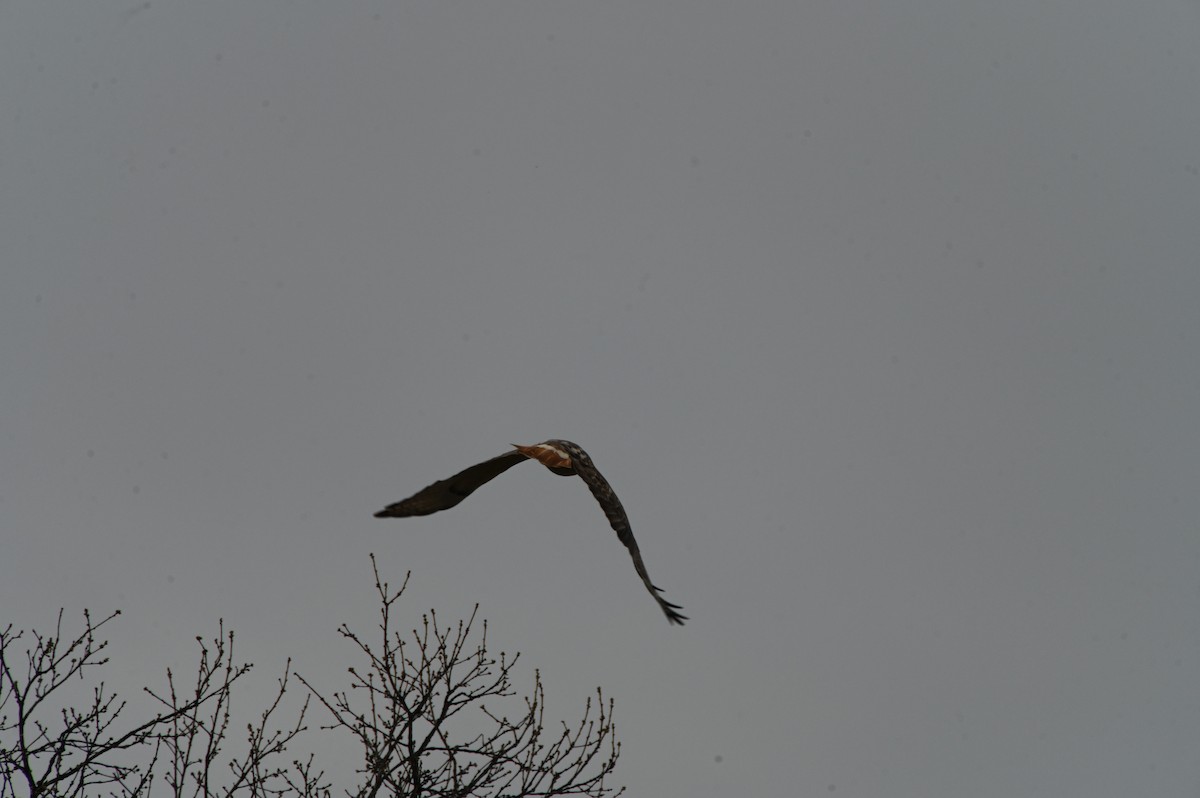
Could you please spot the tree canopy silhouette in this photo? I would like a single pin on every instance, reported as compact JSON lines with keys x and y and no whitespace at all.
{"x":421,"y":708}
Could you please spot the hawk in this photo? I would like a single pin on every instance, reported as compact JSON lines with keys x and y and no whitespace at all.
{"x":563,"y":458}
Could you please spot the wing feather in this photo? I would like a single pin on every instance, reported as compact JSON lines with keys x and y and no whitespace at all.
{"x":444,"y":494}
{"x":619,"y":521}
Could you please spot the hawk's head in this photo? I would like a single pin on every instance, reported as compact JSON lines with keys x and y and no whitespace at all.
{"x":553,"y":454}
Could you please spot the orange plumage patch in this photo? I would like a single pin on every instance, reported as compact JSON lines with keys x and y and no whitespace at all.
{"x":547,"y":455}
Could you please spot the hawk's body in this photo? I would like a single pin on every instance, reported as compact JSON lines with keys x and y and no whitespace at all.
{"x":563,"y":458}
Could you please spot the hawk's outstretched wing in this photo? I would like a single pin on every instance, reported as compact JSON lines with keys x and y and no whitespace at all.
{"x":619,"y":521}
{"x":446,"y":493}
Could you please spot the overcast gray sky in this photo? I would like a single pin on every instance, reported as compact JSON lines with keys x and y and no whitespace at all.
{"x":880,"y":317}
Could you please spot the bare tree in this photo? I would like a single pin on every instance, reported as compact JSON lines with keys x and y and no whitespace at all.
{"x":47,"y":749}
{"x":408,"y":723}
{"x":422,"y":722}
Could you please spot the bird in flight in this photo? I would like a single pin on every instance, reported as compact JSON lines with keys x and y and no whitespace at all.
{"x":563,"y":458}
